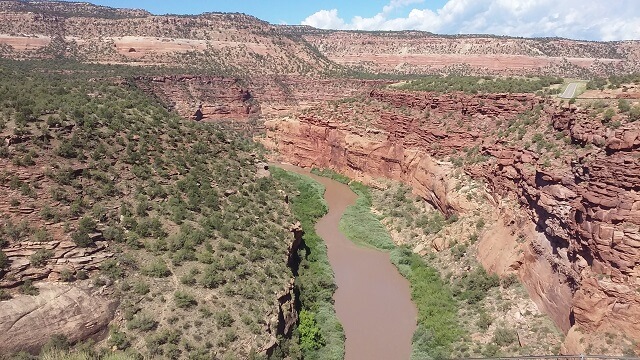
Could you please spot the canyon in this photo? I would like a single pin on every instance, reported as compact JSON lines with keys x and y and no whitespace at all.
{"x":559,"y":182}
{"x":572,"y":236}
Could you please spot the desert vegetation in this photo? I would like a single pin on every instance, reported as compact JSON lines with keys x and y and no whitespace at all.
{"x":486,"y":84}
{"x":320,"y":333}
{"x":180,"y":229}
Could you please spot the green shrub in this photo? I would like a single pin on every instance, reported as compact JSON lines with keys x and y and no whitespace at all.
{"x":82,"y":236}
{"x":184,"y":300}
{"x":157,"y":269}
{"x":112,"y":269}
{"x":458,"y":251}
{"x":66,"y":149}
{"x":310,"y":335}
{"x":608,"y":115}
{"x":504,"y":337}
{"x":40,"y":257}
{"x":224,"y":318}
{"x":212,"y":277}
{"x":509,"y":281}
{"x":56,"y":342}
{"x":634,"y":113}
{"x":114,"y":233}
{"x":118,"y":339}
{"x":28,"y":288}
{"x":188,"y":279}
{"x":140,"y":287}
{"x":4,"y":261}
{"x":4,"y":295}
{"x":41,"y":235}
{"x":66,"y":275}
{"x":82,"y":275}
{"x":484,"y":321}
{"x":623,"y":105}
{"x":490,"y":350}
{"x":142,"y":322}
{"x":474,"y":286}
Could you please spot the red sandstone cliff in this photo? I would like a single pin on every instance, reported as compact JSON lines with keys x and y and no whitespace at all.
{"x":578,"y":186}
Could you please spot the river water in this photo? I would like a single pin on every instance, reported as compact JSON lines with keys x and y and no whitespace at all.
{"x":373,"y":301}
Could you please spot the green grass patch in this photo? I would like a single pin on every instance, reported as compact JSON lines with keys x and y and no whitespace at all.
{"x":331,"y":175}
{"x":438,"y":326}
{"x":359,"y":225}
{"x":321,"y":334}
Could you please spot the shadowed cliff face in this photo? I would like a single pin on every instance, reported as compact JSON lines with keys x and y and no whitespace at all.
{"x":576,"y":185}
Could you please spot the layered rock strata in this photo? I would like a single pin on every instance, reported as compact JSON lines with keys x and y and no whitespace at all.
{"x":580,"y":216}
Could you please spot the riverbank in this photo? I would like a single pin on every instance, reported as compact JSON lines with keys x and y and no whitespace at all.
{"x":438,"y":327}
{"x":320,"y":333}
{"x":373,"y":300}
{"x":497,"y":316}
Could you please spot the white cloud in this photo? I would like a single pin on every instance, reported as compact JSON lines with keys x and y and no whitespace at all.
{"x":578,"y":19}
{"x":325,"y":19}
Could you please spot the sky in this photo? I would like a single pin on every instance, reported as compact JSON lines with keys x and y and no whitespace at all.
{"x":576,"y":19}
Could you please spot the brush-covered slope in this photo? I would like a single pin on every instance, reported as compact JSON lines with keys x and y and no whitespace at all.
{"x":416,"y":52}
{"x":118,"y":217}
{"x":232,"y":44}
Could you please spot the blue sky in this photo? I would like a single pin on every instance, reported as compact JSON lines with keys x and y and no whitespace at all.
{"x":576,"y":19}
{"x":289,"y":11}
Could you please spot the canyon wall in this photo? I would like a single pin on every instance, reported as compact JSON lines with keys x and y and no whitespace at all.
{"x":578,"y":215}
{"x":212,"y":98}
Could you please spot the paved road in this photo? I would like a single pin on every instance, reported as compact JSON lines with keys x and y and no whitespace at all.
{"x":570,"y":91}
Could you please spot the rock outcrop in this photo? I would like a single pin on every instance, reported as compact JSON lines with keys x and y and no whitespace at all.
{"x":77,"y":312}
{"x":213,"y":98}
{"x":202,"y":97}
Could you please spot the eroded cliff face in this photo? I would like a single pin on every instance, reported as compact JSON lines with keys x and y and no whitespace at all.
{"x":574,"y":236}
{"x":202,"y":97}
{"x":214,"y":98}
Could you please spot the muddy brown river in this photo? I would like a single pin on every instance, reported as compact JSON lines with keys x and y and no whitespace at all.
{"x":373,"y":301}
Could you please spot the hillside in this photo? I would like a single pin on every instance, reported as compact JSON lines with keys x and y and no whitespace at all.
{"x":121,"y":219}
{"x":416,"y":52}
{"x":139,"y":217}
{"x":222,"y":44}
